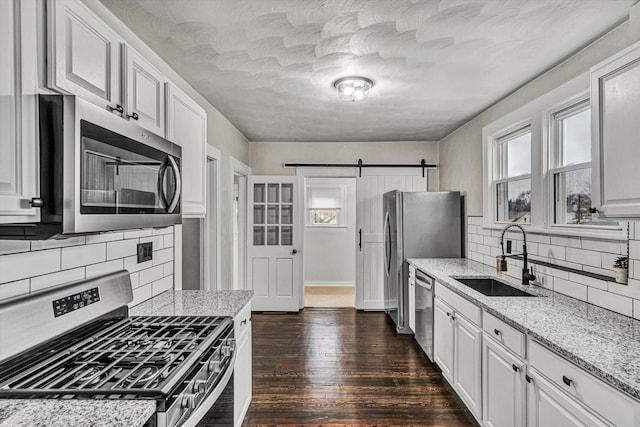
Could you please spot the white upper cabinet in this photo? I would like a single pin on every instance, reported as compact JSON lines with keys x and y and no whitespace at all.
{"x":187,"y":127}
{"x":143,"y":91}
{"x":615,"y":97}
{"x":18,"y":85}
{"x":83,"y":54}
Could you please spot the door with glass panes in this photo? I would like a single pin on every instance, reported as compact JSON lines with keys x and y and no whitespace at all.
{"x":274,"y":240}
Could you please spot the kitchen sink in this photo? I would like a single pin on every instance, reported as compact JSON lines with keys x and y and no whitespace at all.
{"x":492,"y":287}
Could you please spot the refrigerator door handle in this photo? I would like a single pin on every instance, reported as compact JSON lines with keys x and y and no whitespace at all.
{"x":387,"y":244}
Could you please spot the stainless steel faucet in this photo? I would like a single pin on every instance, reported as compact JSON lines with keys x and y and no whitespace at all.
{"x":527,"y":275}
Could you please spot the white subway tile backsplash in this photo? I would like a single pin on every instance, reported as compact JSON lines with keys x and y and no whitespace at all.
{"x":474,"y":220}
{"x":131,"y":264}
{"x":636,"y":309}
{"x":135,"y":279}
{"x":162,"y":231}
{"x":151,"y":274}
{"x":582,"y":256}
{"x":596,"y":270}
{"x":168,"y":240}
{"x":140,"y":294}
{"x":157,"y":242}
{"x":634,"y":249}
{"x":630,"y":289}
{"x":136,"y":234}
{"x":15,"y":289}
{"x":617,"y":303}
{"x":122,"y":248}
{"x":164,"y":284}
{"x":539,"y":238}
{"x":23,"y":265}
{"x":167,"y":269}
{"x":105,"y":267}
{"x":571,"y":289}
{"x":588,"y":281}
{"x":14,"y":246}
{"x":38,"y":245}
{"x":54,"y":279}
{"x":610,"y":246}
{"x":83,"y":255}
{"x":552,"y":252}
{"x":162,"y":256}
{"x":570,"y":242}
{"x":105,"y":237}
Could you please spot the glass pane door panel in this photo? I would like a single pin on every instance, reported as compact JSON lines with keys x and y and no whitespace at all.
{"x":273,"y":216}
{"x":273,"y":236}
{"x":286,"y":212}
{"x":286,"y":236}
{"x":258,"y":214}
{"x":273,"y":193}
{"x":258,"y":193}
{"x":258,"y":236}
{"x":287,"y":193}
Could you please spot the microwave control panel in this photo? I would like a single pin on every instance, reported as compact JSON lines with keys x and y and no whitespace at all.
{"x":74,"y":302}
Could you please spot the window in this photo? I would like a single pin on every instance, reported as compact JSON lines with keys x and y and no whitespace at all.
{"x":512,"y":176}
{"x":325,"y":205}
{"x":570,"y":167}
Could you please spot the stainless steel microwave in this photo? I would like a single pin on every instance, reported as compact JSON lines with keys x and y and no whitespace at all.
{"x":99,"y":172}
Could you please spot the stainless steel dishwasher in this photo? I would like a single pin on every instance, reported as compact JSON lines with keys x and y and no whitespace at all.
{"x":424,"y":312}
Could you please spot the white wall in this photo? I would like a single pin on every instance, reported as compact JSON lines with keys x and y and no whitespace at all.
{"x":330,"y":252}
{"x":29,"y":267}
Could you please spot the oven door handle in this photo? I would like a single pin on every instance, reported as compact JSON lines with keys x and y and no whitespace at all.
{"x":169,"y":207}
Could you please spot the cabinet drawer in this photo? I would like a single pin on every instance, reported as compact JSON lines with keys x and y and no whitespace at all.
{"x":510,"y":337}
{"x":468,"y":309}
{"x":242,"y":321}
{"x":613,"y":405}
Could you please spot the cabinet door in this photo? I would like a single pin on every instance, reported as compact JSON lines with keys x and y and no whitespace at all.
{"x":242,"y":377}
{"x":615,"y":90}
{"x":547,"y":406}
{"x":503,"y":387}
{"x":83,"y":53}
{"x":144,"y":91}
{"x":18,"y":84}
{"x":467,"y":370}
{"x":187,"y":127}
{"x":443,"y":338}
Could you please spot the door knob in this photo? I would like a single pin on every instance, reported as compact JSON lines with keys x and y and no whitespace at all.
{"x":294,"y":251}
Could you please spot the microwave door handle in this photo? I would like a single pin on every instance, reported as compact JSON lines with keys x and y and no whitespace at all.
{"x":178,"y":188}
{"x":161,"y":172}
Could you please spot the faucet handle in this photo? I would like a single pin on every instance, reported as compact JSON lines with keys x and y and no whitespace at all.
{"x":532,"y":276}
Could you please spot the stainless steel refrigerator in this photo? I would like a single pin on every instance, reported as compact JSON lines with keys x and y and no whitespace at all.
{"x":416,"y":225}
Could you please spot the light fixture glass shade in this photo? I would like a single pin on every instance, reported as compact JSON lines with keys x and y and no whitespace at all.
{"x":353,"y":88}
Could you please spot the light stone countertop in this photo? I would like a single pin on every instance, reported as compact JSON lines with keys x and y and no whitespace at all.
{"x":121,"y":413}
{"x":193,"y":303}
{"x":605,"y":343}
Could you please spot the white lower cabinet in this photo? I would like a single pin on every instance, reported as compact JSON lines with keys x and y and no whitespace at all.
{"x":458,"y":352}
{"x":242,"y":389}
{"x":503,"y":386}
{"x":412,"y":298}
{"x":549,"y":407}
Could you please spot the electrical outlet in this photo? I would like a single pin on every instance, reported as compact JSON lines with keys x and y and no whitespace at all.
{"x":145,"y":252}
{"x":509,"y":242}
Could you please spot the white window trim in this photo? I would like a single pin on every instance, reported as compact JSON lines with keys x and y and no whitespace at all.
{"x":538,"y":115}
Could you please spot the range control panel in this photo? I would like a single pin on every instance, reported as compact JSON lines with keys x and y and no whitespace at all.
{"x":74,"y":302}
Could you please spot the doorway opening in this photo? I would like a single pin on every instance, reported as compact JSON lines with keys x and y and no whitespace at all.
{"x":238,"y":202}
{"x":211,"y":223}
{"x":329,"y":242}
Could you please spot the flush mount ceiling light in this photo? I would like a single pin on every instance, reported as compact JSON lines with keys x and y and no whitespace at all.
{"x":353,"y":88}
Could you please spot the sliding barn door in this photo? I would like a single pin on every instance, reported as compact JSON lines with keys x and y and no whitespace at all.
{"x":370,"y":258}
{"x":274,"y":241}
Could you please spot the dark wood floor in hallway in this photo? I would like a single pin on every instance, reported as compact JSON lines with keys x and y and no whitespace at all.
{"x":342,"y":367}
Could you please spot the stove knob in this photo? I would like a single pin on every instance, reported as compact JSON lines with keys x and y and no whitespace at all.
{"x":214,"y":366}
{"x":226,"y":351}
{"x":232,"y":344}
{"x":200,"y":386}
{"x":188,"y":400}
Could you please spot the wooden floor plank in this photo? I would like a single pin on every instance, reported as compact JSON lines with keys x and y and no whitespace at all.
{"x":342,"y":367}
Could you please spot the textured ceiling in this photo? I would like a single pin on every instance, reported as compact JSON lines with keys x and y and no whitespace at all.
{"x":269,"y":65}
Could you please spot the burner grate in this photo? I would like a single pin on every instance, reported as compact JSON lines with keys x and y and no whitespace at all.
{"x":145,"y":355}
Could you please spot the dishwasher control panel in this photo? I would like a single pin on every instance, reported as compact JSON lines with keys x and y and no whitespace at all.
{"x":74,"y":302}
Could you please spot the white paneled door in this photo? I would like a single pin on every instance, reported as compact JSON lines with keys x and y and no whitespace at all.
{"x":369,"y":260}
{"x":274,"y":242}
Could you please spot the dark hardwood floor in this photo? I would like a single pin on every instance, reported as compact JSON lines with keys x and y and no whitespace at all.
{"x":342,"y":367}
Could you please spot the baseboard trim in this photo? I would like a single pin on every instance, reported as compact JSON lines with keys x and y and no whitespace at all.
{"x":316,"y":283}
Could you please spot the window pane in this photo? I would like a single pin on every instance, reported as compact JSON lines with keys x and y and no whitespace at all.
{"x":272,"y":214}
{"x":514,"y":201}
{"x":273,"y":193}
{"x":287,"y":193}
{"x":287,"y":236}
{"x":287,"y":214}
{"x":258,"y":214}
{"x":272,"y":236}
{"x":258,"y":236}
{"x":258,"y":193}
{"x":576,"y":138}
{"x":324,"y":216}
{"x":519,"y":155}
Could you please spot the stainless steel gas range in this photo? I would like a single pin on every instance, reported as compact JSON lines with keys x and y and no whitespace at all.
{"x":77,"y":342}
